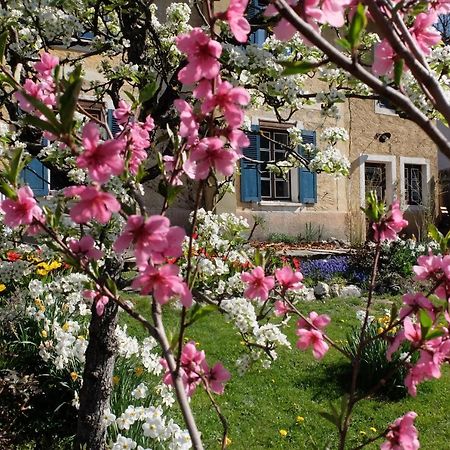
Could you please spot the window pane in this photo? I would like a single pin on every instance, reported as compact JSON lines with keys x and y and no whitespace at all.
{"x":264,"y":142}
{"x":413,"y":184}
{"x":282,"y":189}
{"x":265,"y":188}
{"x":375,"y":179}
{"x":281,"y":138}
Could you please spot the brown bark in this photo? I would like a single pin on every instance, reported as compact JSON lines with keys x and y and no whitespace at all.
{"x":97,"y":380}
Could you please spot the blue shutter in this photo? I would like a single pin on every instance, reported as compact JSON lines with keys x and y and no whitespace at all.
{"x":37,"y":176}
{"x":254,"y":8}
{"x":112,"y":123}
{"x":307,"y":179}
{"x":258,"y":37}
{"x":250,"y":175}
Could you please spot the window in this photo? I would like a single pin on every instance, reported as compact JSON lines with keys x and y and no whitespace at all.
{"x":413,"y":184}
{"x":378,"y":173}
{"x":258,"y":184}
{"x":415,"y":178}
{"x":375,"y":179}
{"x":384,"y":106}
{"x":272,"y":148}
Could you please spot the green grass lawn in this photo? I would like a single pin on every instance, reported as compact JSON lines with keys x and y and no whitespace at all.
{"x":262,"y":402}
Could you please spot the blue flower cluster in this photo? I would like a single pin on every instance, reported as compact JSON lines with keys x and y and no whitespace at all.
{"x":325,"y":269}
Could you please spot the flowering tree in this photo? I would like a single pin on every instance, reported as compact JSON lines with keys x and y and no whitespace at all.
{"x":101,"y":220}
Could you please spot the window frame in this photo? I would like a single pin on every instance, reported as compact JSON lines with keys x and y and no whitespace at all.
{"x":273,"y":178}
{"x":425,"y":180}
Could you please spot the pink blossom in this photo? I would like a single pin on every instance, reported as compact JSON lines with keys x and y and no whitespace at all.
{"x":228,"y":99}
{"x":100,"y":303}
{"x":202,"y":53}
{"x":315,"y":321}
{"x":138,"y":140}
{"x":164,"y":283}
{"x":312,"y":338}
{"x":258,"y":284}
{"x":428,"y":266}
{"x":193,"y":367}
{"x":333,"y":12}
{"x":289,"y":279}
{"x":188,"y":122}
{"x":41,"y":91}
{"x":149,"y":123}
{"x":389,"y":227}
{"x":153,"y":239}
{"x":415,"y":302}
{"x":402,"y":434}
{"x":281,"y":308}
{"x":235,"y":17}
{"x":101,"y":160}
{"x":122,"y":113}
{"x":237,"y":138}
{"x":310,"y":333}
{"x":428,"y":366}
{"x":84,"y":248}
{"x":173,"y":175}
{"x":217,"y":376}
{"x":92,"y":204}
{"x":46,"y":65}
{"x":284,"y":30}
{"x":384,"y":59}
{"x":424,"y":32}
{"x":208,"y":154}
{"x":22,"y":211}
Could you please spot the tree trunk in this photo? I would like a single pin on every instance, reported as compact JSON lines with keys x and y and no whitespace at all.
{"x":97,"y":380}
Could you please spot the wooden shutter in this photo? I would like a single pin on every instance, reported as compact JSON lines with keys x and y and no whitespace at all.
{"x":250,"y":174}
{"x":37,"y":176}
{"x":307,"y":179}
{"x":112,"y":123}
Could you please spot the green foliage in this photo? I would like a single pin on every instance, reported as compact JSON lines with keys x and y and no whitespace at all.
{"x":374,"y":365}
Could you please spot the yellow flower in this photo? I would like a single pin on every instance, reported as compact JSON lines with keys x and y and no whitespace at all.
{"x":227,"y":441}
{"x":300,"y":419}
{"x":116,"y":380}
{"x":363,"y":433}
{"x":2,"y":287}
{"x":81,"y":337}
{"x":380,"y":330}
{"x":65,"y":327}
{"x":39,"y":303}
{"x":74,"y":376}
{"x":283,"y":433}
{"x":373,"y":429}
{"x":138,"y":371}
{"x":44,"y":334}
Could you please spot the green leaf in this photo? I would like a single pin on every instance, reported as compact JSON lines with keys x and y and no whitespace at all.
{"x":3,"y":40}
{"x":297,"y":67}
{"x":425,"y":321}
{"x":398,"y":71}
{"x":68,"y":101}
{"x":344,"y":43}
{"x":111,"y":286}
{"x":199,"y":312}
{"x":168,"y":191}
{"x":7,"y":190}
{"x":258,"y":257}
{"x":435,"y":234}
{"x":40,"y":124}
{"x":131,"y":97}
{"x":16,"y":165}
{"x":434,"y":334}
{"x":330,"y":417}
{"x":148,"y":92}
{"x":359,"y":23}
